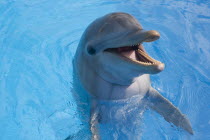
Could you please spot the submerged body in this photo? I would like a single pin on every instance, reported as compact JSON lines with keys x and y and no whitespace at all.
{"x":113,"y":66}
{"x":121,"y":119}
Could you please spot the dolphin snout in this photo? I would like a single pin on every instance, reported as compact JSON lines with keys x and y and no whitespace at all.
{"x":150,"y":35}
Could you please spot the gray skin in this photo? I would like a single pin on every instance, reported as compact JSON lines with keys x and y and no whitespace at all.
{"x":110,"y":76}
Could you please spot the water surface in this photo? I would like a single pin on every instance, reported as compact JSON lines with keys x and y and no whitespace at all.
{"x":38,"y":40}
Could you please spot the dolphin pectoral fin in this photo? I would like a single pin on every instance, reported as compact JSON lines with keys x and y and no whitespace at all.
{"x":165,"y":108}
{"x":94,"y":121}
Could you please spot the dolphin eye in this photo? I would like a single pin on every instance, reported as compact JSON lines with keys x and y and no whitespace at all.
{"x":91,"y":50}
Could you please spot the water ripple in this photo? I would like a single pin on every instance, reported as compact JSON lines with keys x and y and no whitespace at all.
{"x":38,"y":40}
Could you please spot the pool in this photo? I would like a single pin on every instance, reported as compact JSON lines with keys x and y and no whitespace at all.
{"x":38,"y":40}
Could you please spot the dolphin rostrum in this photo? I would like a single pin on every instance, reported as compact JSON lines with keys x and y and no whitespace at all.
{"x":112,"y":65}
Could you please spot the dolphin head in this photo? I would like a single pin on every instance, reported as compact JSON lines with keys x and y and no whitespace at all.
{"x":112,"y":47}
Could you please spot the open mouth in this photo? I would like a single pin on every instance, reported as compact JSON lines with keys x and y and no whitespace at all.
{"x":135,"y":53}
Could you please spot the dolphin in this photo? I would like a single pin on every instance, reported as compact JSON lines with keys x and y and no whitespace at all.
{"x":112,"y":65}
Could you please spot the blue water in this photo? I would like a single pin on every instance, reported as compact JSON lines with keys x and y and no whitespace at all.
{"x":38,"y":40}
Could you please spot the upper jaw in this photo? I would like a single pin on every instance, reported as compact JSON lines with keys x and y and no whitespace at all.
{"x":120,"y":39}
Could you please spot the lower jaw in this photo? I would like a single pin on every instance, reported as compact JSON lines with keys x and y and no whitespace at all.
{"x":151,"y":65}
{"x":140,"y":57}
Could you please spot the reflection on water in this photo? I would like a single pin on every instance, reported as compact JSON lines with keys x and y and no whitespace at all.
{"x":38,"y":40}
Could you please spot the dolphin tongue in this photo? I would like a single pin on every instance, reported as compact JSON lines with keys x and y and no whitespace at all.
{"x":127,"y":52}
